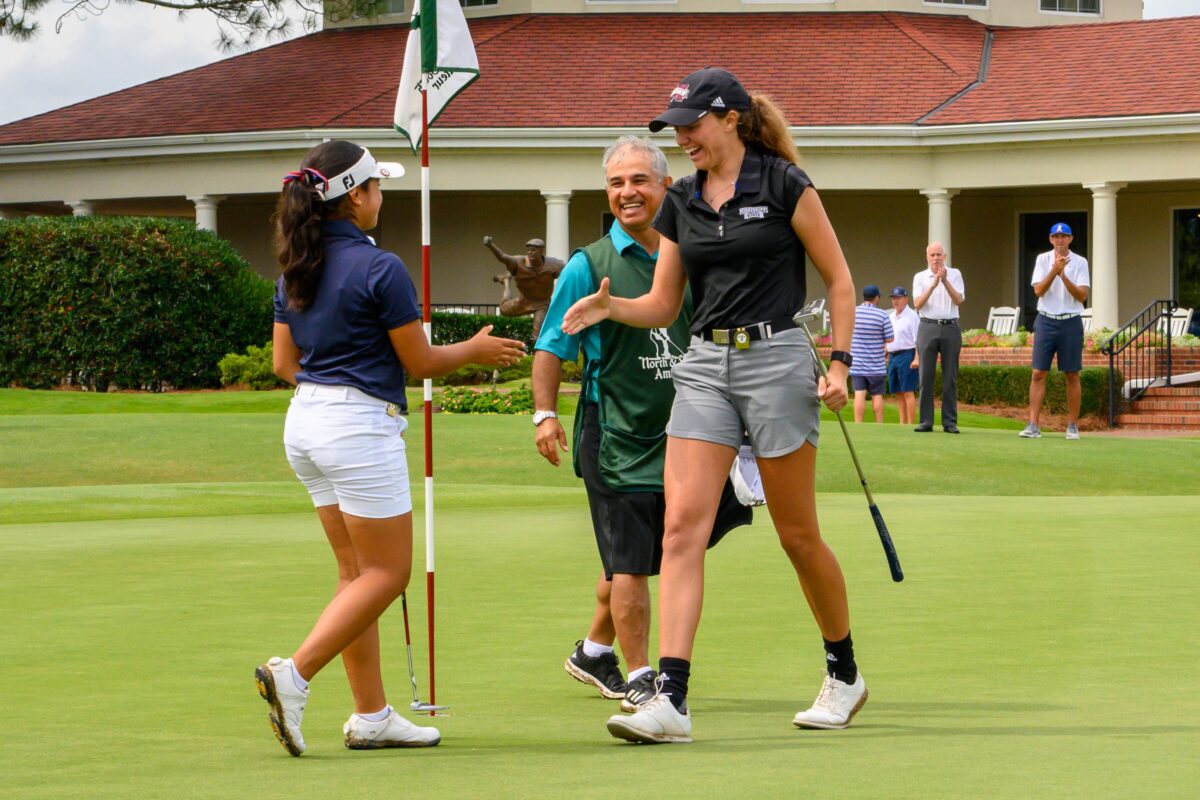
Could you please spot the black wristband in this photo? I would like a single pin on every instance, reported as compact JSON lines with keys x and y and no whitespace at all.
{"x":842,"y":356}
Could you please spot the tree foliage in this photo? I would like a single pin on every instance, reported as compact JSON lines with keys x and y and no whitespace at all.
{"x":240,"y":23}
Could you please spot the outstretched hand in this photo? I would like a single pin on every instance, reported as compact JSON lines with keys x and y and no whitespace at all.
{"x":587,"y":311}
{"x":493,"y":351}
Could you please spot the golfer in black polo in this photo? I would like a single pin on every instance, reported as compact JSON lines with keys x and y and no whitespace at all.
{"x":737,"y":232}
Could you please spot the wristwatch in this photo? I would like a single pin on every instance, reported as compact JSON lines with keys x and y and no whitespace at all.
{"x":842,"y":356}
{"x":541,"y":416}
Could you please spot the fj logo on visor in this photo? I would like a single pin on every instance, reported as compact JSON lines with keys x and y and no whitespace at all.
{"x":348,"y":182}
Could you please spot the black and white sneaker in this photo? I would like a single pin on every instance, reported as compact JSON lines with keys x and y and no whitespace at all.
{"x":600,"y":671}
{"x":638,"y":692}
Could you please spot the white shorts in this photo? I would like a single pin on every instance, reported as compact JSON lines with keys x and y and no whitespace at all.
{"x":347,"y":447}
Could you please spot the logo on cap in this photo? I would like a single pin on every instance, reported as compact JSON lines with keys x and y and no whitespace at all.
{"x":680,"y":93}
{"x":718,"y":103}
{"x":385,"y":172}
{"x":1060,"y":228}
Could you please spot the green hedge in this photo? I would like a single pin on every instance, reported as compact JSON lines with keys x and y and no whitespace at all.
{"x":255,"y":368}
{"x":449,"y":328}
{"x":463,"y":400}
{"x":135,"y":303}
{"x":1009,"y":386}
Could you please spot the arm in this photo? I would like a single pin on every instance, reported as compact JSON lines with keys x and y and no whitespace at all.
{"x":501,"y":256}
{"x":423,"y":360}
{"x":547,"y":373}
{"x":285,"y":356}
{"x":1042,"y":284}
{"x":811,"y":224}
{"x":920,"y":299}
{"x":658,"y":308}
{"x":956,"y":294}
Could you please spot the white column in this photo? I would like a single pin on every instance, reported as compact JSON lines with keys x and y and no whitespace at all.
{"x":1104,"y":253}
{"x":558,"y":223}
{"x":206,"y":211}
{"x":939,"y":218}
{"x":81,"y":208}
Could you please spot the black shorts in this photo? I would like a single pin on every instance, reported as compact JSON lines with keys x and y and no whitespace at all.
{"x":629,"y":525}
{"x":871,"y":384}
{"x":1063,"y":337}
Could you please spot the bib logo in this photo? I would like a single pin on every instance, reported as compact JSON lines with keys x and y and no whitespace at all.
{"x":666,"y":354}
{"x":680,"y":93}
{"x":753,"y":212}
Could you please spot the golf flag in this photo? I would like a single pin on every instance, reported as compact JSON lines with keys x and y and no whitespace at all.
{"x":439,"y":57}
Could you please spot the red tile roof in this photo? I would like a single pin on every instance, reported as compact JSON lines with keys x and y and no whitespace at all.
{"x":564,"y":70}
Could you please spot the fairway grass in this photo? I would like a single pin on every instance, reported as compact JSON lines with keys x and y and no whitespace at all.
{"x":1042,"y":645}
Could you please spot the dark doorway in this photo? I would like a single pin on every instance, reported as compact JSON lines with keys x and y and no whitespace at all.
{"x":1187,"y":262}
{"x":1035,"y":240}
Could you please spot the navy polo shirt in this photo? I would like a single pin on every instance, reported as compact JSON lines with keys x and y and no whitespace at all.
{"x":744,"y":262}
{"x":364,"y":292}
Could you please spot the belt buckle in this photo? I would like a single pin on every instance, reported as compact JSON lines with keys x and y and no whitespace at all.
{"x":392,"y":409}
{"x":720,"y":336}
{"x":741,"y":339}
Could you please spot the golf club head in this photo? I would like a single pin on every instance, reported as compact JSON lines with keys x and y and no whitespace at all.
{"x":810,"y":313}
{"x":426,"y":708}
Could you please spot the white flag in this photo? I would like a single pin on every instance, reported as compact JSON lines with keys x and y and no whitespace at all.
{"x":441,"y":56}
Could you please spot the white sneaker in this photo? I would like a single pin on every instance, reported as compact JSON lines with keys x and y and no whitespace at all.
{"x":1031,"y":431}
{"x":287,"y":701}
{"x":1072,"y":431}
{"x":656,"y":721}
{"x":395,"y":731}
{"x":835,"y":706}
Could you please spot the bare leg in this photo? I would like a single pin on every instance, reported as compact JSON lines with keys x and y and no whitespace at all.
{"x":631,"y":616}
{"x":789,"y":484}
{"x":1037,"y":393}
{"x":860,"y":405}
{"x":877,"y":406}
{"x":602,"y":630}
{"x":692,"y":480}
{"x":383,"y":550}
{"x":1073,"y":396}
{"x":909,"y":402}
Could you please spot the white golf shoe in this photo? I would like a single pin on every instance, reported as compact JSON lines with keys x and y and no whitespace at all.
{"x":656,"y":722}
{"x":835,"y":706}
{"x":287,"y":702}
{"x":395,"y":731}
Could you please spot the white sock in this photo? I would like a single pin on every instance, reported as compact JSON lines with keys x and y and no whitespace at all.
{"x":301,"y":684}
{"x":637,"y":673}
{"x":378,"y":716}
{"x":593,"y":650}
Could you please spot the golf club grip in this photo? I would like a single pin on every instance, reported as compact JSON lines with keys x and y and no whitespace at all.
{"x":889,"y":549}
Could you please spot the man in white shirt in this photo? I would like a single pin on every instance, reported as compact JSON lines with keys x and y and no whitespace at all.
{"x":902,"y":377}
{"x":937,"y":294}
{"x":1061,"y":281}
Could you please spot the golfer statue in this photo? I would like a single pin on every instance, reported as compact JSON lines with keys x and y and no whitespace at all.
{"x":534,"y":276}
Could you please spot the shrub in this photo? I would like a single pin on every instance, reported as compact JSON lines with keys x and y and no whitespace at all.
{"x":980,"y":337}
{"x":572,"y":371}
{"x":1009,"y":386}
{"x":474,"y":375}
{"x":449,"y":328}
{"x":462,"y":400}
{"x":254,"y":368}
{"x":137,"y":303}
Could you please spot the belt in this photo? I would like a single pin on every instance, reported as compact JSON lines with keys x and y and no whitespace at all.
{"x":1056,"y":316}
{"x":940,"y":321}
{"x":306,"y":389}
{"x":743,"y":336}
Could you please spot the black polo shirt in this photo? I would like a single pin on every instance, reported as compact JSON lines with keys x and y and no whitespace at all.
{"x":744,"y":262}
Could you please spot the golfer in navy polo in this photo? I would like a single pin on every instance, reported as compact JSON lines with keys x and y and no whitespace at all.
{"x":1062,"y":282}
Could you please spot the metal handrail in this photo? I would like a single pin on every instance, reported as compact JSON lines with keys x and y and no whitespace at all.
{"x":1124,"y":344}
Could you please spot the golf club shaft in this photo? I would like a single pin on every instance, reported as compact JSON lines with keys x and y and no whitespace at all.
{"x":412,"y":675}
{"x":885,"y":537}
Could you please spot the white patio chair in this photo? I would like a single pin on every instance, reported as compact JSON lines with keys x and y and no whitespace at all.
{"x":1181,"y":318}
{"x":1002,"y":320}
{"x":1086,"y":316}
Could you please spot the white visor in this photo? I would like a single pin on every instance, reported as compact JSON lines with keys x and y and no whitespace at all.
{"x":365,"y":169}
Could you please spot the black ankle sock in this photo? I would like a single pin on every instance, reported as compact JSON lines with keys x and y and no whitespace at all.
{"x":839,"y":660}
{"x":675,"y":673}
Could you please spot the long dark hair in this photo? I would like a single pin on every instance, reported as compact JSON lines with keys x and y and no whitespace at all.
{"x":302,"y":207}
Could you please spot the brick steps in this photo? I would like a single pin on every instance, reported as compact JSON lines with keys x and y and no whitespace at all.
{"x":1165,"y":408}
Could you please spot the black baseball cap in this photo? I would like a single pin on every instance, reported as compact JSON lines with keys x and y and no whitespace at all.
{"x":899,"y":291}
{"x":870,"y":290}
{"x":709,"y":89}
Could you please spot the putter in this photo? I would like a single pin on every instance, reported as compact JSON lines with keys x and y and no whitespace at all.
{"x":417,"y":705}
{"x":802,"y":318}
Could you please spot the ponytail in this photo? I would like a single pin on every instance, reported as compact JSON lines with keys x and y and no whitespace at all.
{"x":299,"y":245}
{"x":764,"y":127}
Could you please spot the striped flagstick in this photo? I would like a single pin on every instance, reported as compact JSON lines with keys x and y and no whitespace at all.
{"x":428,"y":387}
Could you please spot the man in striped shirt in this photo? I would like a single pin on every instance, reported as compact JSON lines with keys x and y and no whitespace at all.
{"x":872,"y":332}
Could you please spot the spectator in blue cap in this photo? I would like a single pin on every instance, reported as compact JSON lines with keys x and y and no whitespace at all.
{"x":902,"y":374}
{"x":1061,"y":283}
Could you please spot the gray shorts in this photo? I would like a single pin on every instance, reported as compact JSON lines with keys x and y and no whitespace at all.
{"x":768,"y":391}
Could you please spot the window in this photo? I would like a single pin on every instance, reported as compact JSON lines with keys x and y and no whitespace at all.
{"x":1072,"y":6}
{"x":476,"y":3}
{"x":394,"y":7}
{"x":1187,"y":261}
{"x":976,"y":3}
